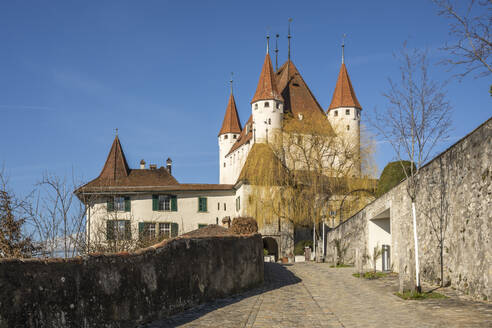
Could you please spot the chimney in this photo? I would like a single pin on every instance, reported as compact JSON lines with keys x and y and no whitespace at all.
{"x":142,"y":164}
{"x":169,"y":164}
{"x":152,"y":166}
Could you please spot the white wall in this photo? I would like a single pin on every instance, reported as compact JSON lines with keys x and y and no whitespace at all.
{"x":379,"y":234}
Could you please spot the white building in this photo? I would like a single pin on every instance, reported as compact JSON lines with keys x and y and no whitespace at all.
{"x":123,"y":201}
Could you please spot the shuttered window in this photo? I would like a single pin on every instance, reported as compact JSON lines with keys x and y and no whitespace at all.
{"x":164,"y":203}
{"x":118,"y":230}
{"x":202,"y":204}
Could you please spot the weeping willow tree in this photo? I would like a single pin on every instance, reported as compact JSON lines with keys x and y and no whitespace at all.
{"x":304,"y":172}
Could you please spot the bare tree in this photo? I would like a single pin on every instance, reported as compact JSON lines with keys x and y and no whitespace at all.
{"x":57,"y":218}
{"x":471,"y":28}
{"x":416,"y":119}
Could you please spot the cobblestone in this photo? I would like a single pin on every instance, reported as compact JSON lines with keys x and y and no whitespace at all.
{"x":315,"y":295}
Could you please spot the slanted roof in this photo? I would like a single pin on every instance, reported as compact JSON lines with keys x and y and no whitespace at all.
{"x":116,"y":166}
{"x":244,"y":136}
{"x":231,"y":123}
{"x":344,"y":95}
{"x":297,"y":96}
{"x":267,"y":88}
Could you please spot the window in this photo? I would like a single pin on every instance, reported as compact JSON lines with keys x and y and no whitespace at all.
{"x":278,"y":105}
{"x":224,"y":206}
{"x":238,"y":203}
{"x":202,"y":204}
{"x":202,"y":225}
{"x":224,"y":164}
{"x":335,"y":113}
{"x":218,"y":206}
{"x":267,"y":104}
{"x":234,"y":136}
{"x":348,"y":127}
{"x":347,"y":112}
{"x":118,"y":230}
{"x":164,"y":203}
{"x":256,"y":106}
{"x":216,"y":220}
{"x":226,"y":136}
{"x":165,"y":230}
{"x":119,"y":203}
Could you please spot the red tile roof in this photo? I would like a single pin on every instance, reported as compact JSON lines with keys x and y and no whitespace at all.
{"x":244,"y":137}
{"x":344,"y":95}
{"x":297,"y":96}
{"x":267,"y":88}
{"x":231,"y":123}
{"x":116,"y":166}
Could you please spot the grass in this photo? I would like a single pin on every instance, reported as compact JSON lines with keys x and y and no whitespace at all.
{"x":413,"y":295}
{"x":371,"y":275}
{"x":341,"y":266}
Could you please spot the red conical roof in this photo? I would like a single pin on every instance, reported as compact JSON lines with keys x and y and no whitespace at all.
{"x":267,"y":88}
{"x":344,"y":95}
{"x":116,"y":166}
{"x":231,"y":123}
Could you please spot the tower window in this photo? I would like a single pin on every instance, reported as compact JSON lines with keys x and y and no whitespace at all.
{"x":278,"y":105}
{"x":234,"y":136}
{"x":348,"y":127}
{"x":224,"y":206}
{"x":347,"y":112}
{"x":270,"y":121}
{"x":256,"y":106}
{"x":267,"y":104}
{"x":335,"y":113}
{"x":224,"y":164}
{"x":226,"y":136}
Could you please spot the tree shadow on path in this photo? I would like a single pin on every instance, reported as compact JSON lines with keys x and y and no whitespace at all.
{"x":276,"y":276}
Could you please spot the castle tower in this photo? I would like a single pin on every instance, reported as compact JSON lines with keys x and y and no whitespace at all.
{"x":267,"y":106}
{"x":231,"y":128}
{"x":344,"y":112}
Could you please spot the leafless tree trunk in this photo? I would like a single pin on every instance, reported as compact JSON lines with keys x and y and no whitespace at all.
{"x":416,"y":119}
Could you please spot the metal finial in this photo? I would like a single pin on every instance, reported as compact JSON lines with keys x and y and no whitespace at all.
{"x":231,"y":80}
{"x":288,"y":38}
{"x":343,"y":47}
{"x":276,"y":52}
{"x":116,"y":132}
{"x":268,"y":43}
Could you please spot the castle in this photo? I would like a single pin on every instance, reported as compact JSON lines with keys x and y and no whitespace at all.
{"x":124,"y":203}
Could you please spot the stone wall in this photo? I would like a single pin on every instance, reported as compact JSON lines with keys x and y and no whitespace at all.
{"x":455,"y":187}
{"x":124,"y":290}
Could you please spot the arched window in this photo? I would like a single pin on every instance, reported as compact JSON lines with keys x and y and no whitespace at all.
{"x":256,"y":106}
{"x":267,"y":104}
{"x":335,"y":113}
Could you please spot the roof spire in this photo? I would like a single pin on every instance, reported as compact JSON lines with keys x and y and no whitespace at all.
{"x":268,"y":43}
{"x":343,"y":48}
{"x":267,"y":87}
{"x":231,"y":80}
{"x":231,"y":123}
{"x":116,"y":132}
{"x":276,"y":51}
{"x":288,"y":38}
{"x":344,"y":94}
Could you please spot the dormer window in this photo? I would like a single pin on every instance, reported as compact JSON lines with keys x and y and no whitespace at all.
{"x":267,"y":104}
{"x":335,"y":113}
{"x":347,"y":112}
{"x":256,"y":106}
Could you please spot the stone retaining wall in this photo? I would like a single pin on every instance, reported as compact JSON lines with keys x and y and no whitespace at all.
{"x":455,"y":186}
{"x":124,"y":290}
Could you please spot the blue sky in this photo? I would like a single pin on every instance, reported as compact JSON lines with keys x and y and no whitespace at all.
{"x":72,"y":71}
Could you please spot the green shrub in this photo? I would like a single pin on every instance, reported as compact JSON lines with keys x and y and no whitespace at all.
{"x":392,"y":175}
{"x":265,"y":252}
{"x":371,"y":275}
{"x":413,"y":295}
{"x":299,"y":247}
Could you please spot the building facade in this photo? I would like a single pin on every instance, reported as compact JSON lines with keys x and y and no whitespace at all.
{"x":124,"y":202}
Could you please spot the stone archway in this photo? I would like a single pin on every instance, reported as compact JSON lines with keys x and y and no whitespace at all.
{"x":271,"y":245}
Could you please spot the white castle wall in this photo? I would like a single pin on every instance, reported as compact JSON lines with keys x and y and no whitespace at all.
{"x":266,"y":119}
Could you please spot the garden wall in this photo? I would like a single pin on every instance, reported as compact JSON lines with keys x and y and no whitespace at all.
{"x":124,"y":290}
{"x":456,"y":190}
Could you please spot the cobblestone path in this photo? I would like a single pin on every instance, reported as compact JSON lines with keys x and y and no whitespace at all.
{"x":315,"y":295}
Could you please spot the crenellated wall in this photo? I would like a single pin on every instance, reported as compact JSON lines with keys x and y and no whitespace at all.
{"x":124,"y":290}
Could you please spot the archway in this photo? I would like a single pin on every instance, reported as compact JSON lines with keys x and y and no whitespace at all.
{"x":270,"y":244}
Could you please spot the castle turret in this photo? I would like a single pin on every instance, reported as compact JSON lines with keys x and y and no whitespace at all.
{"x":267,"y":105}
{"x":231,"y":128}
{"x":344,"y":112}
